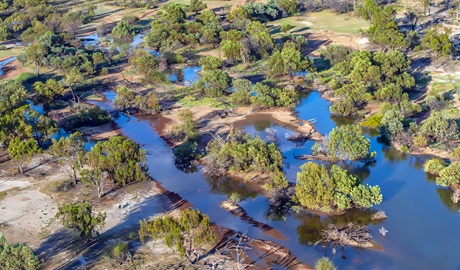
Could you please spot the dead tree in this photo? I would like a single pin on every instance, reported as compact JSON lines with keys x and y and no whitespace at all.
{"x":350,"y":235}
{"x":237,"y":247}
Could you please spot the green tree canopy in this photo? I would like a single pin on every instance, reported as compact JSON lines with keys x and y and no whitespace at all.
{"x":197,"y":5}
{"x":147,"y":65}
{"x":17,"y":256}
{"x":210,"y":62}
{"x":438,"y":128}
{"x":12,"y":95}
{"x":70,"y":150}
{"x":123,"y":31}
{"x":80,"y":218}
{"x":48,"y":91}
{"x":22,"y":151}
{"x":188,"y":234}
{"x":214,"y":83}
{"x":437,"y":39}
{"x":346,"y":143}
{"x":334,"y":190}
{"x":246,"y":154}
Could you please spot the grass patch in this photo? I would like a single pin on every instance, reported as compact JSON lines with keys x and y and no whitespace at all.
{"x":323,"y":20}
{"x":190,"y":101}
{"x":11,"y":52}
{"x":451,"y":112}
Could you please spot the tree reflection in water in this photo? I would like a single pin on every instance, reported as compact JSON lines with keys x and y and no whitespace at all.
{"x":309,"y":231}
{"x":445,"y":197}
{"x":235,"y":189}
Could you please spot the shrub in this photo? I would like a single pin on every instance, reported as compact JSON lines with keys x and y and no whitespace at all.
{"x":434,"y":166}
{"x":334,"y":190}
{"x":104,"y":71}
{"x":17,"y":256}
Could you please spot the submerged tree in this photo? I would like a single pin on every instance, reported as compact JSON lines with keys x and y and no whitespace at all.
{"x":188,"y":235}
{"x":80,"y":218}
{"x":186,"y":129}
{"x":346,"y":143}
{"x":334,"y":190}
{"x":241,"y":153}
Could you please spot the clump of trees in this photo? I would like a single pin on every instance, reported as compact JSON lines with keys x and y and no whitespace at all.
{"x":364,"y":76}
{"x":127,"y":98}
{"x":70,"y":151}
{"x":80,"y":218}
{"x":437,"y":39}
{"x":384,"y":28}
{"x":447,"y":175}
{"x":334,"y":190}
{"x":171,"y":30}
{"x":345,"y":142}
{"x":112,"y":163}
{"x":188,"y":234}
{"x":17,"y":256}
{"x":22,"y":129}
{"x":242,"y":153}
{"x":288,"y":61}
{"x":268,"y":96}
{"x":88,"y":116}
{"x":146,"y":65}
{"x":47,"y":92}
{"x":22,"y":151}
{"x":186,"y":129}
{"x":118,"y":160}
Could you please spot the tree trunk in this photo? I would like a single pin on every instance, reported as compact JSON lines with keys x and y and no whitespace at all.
{"x":37,"y":69}
{"x":21,"y":169}
{"x":74,"y":176}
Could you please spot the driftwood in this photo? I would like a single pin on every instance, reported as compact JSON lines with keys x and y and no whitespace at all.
{"x":350,"y":235}
{"x":313,"y":157}
{"x":298,"y":137}
{"x":379,"y":215}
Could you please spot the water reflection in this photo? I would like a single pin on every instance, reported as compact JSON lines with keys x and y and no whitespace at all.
{"x":234,"y":188}
{"x":185,"y":76}
{"x":309,"y":230}
{"x":445,"y":197}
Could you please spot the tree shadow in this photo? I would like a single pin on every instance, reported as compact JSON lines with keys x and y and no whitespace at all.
{"x":60,"y":242}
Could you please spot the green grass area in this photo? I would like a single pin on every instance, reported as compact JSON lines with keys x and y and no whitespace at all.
{"x":442,"y":84}
{"x":11,"y":52}
{"x":451,"y":112}
{"x":190,"y":101}
{"x":323,"y":20}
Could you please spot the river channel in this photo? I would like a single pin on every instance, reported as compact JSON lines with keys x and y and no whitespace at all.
{"x":423,"y":223}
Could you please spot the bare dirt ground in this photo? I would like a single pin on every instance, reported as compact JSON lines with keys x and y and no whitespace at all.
{"x":320,"y":39}
{"x":209,"y":120}
{"x":12,"y":70}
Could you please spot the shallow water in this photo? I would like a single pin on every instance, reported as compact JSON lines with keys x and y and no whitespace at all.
{"x":5,"y":62}
{"x":185,"y":76}
{"x":422,"y":221}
